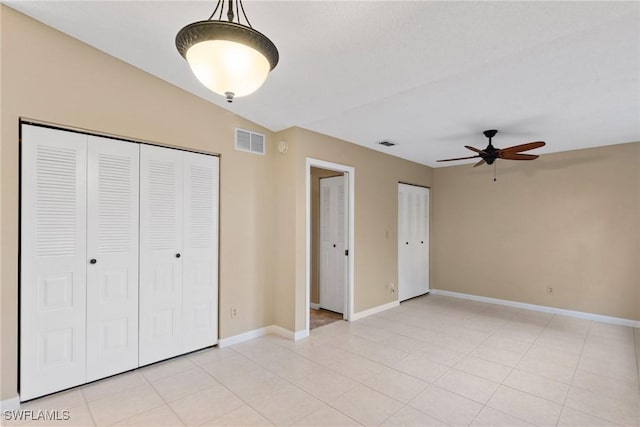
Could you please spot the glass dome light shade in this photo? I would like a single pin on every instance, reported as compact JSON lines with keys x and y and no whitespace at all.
{"x":227,"y":57}
{"x":225,"y":66}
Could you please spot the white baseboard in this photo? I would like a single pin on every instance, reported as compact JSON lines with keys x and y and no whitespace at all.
{"x":300,"y":335}
{"x":12,"y":404}
{"x":314,"y":306}
{"x":246,"y":336}
{"x":541,"y":308}
{"x":374,"y":310}
{"x":280,"y":331}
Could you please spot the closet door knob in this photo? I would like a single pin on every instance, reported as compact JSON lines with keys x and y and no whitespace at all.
{"x":422,"y":242}
{"x":334,"y":246}
{"x":92,"y":261}
{"x":406,"y":243}
{"x":177,"y":255}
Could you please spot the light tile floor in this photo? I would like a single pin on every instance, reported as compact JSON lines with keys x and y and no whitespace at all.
{"x":433,"y":361}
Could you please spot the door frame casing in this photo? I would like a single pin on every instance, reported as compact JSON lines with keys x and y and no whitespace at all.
{"x":350,"y":173}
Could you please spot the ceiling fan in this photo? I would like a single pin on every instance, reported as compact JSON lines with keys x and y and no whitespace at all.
{"x":491,"y":153}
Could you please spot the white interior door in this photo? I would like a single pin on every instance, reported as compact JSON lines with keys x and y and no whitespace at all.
{"x":161,"y":186}
{"x":422,"y":240}
{"x":333,"y":243}
{"x":112,"y":250}
{"x":53,"y":261}
{"x":413,"y":241}
{"x":405,"y":260}
{"x":200,"y":252}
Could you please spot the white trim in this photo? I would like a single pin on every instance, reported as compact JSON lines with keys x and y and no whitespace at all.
{"x":300,"y":335}
{"x":246,"y":336}
{"x":256,"y":333}
{"x":351,"y":176}
{"x":12,"y":404}
{"x":314,"y":306}
{"x":280,"y":331}
{"x":375,"y":310}
{"x":542,"y":308}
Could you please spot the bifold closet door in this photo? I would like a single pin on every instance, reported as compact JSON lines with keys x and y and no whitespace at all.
{"x":178,"y":252}
{"x":112,"y":250}
{"x":200,"y":252}
{"x":161,"y":197}
{"x":413,"y":241}
{"x":53,"y":261}
{"x":333,"y":243}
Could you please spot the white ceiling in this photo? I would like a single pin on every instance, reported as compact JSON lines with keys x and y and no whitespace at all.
{"x":430,"y":76}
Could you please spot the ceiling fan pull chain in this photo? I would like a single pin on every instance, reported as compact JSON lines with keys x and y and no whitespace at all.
{"x":494,"y":171}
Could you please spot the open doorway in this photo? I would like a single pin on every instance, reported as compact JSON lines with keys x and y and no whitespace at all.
{"x":329,"y":271}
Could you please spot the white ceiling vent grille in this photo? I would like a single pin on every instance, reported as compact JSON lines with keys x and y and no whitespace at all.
{"x":251,"y":142}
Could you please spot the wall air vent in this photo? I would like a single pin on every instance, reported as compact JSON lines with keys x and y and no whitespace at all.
{"x":250,"y":142}
{"x":387,"y":143}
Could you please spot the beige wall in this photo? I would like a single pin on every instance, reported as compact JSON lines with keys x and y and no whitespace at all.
{"x":376,"y":212}
{"x":49,"y":76}
{"x":567,"y":221}
{"x":316,"y":174}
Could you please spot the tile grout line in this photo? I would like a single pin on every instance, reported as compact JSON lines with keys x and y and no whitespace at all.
{"x":584,"y":343}
{"x":86,"y":402}
{"x":507,"y":376}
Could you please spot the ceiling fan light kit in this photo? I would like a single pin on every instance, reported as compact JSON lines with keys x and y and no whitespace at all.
{"x":490,"y":154}
{"x":229,"y":58}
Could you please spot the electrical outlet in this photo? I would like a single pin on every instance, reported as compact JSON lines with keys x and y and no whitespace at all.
{"x":234,"y":312}
{"x":549,"y":291}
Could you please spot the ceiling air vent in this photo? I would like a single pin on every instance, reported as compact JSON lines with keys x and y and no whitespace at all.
{"x":387,"y":143}
{"x":250,"y":142}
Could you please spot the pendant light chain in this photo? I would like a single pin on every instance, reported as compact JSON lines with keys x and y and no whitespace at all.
{"x":215,"y":10}
{"x":244,"y":14}
{"x":231,"y":16}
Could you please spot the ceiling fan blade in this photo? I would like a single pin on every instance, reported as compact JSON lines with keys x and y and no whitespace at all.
{"x":474,"y":149}
{"x":481,"y":162}
{"x":516,"y":156}
{"x":459,"y":158}
{"x":523,"y":147}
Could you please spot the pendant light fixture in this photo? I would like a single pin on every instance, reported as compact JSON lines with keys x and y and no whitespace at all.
{"x":229,"y":58}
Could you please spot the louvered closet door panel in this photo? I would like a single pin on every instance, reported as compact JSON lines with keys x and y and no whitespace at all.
{"x":421,"y":253}
{"x":112,"y":281}
{"x":333,"y":239}
{"x":200,"y":252}
{"x":413,"y":241}
{"x":405,"y":262}
{"x":53,"y":261}
{"x":161,"y":178}
{"x":325,"y":273}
